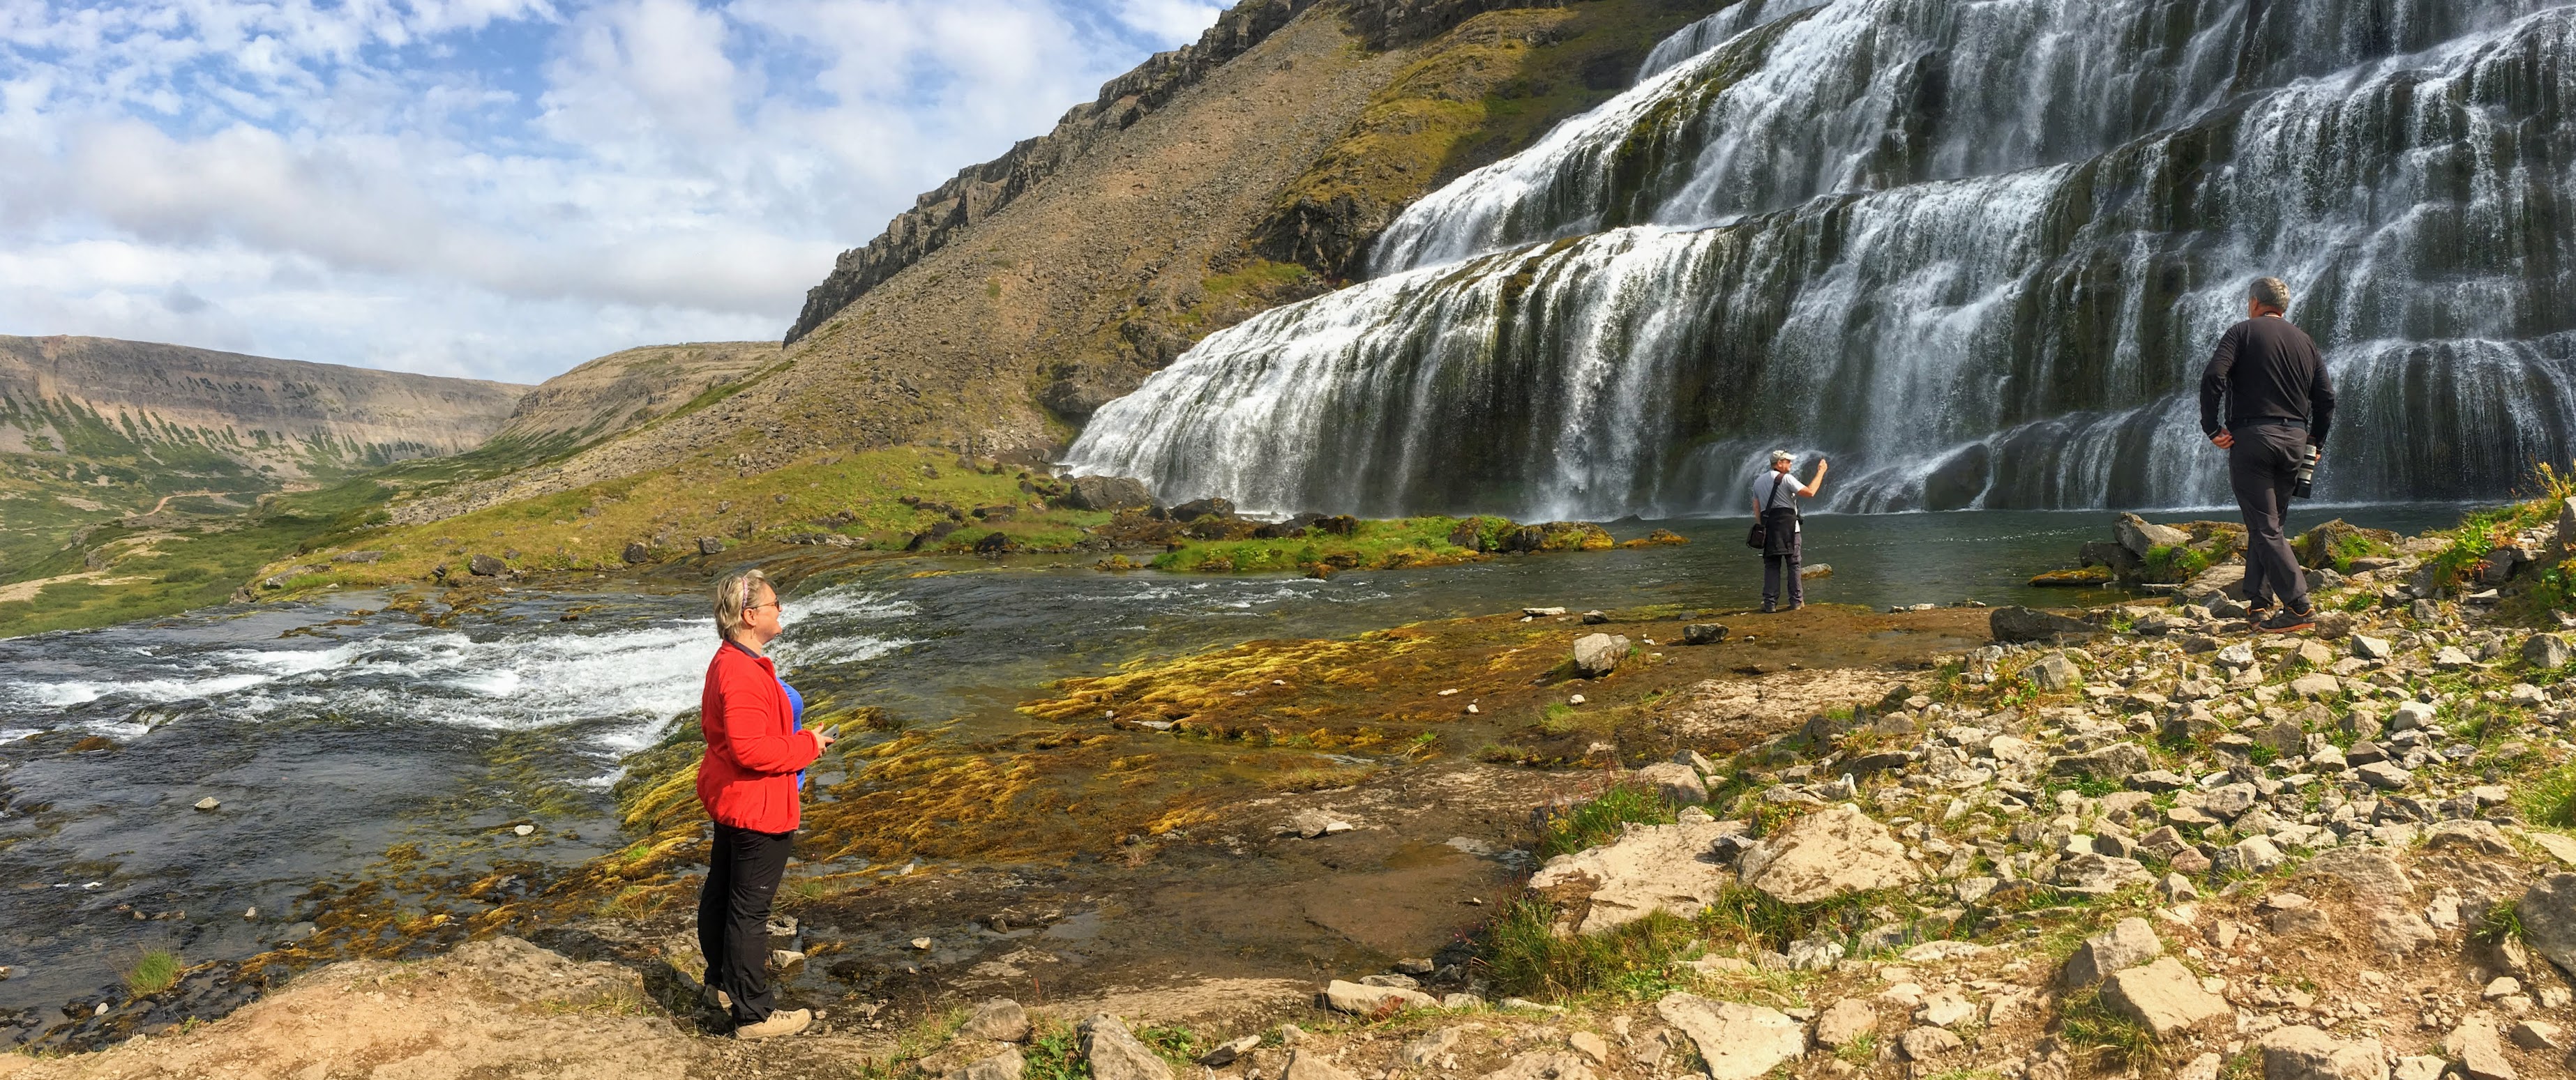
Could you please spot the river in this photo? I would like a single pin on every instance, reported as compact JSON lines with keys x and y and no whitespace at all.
{"x":329,"y":737}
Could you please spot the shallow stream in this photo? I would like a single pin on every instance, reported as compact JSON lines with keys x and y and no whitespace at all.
{"x":329,"y":738}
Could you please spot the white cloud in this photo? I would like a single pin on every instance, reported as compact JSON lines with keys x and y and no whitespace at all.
{"x":500,"y":188}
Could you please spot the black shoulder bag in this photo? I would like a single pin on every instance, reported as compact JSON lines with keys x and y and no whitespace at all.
{"x":1761,"y":534}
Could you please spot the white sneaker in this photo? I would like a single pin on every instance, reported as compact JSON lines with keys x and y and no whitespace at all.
{"x":786,"y":1022}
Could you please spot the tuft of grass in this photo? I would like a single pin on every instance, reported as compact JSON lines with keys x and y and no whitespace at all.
{"x":1178,"y":1045}
{"x":2549,"y":799}
{"x":1598,"y":821}
{"x":158,"y":970}
{"x":1526,"y":956}
{"x":2502,"y":920}
{"x":1055,"y":1054}
{"x":2106,"y":1039}
{"x":1862,"y":1051}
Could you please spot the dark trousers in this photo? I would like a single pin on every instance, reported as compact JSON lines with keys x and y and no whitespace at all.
{"x":733,"y":916}
{"x":2263,"y":467}
{"x":1783,"y":565}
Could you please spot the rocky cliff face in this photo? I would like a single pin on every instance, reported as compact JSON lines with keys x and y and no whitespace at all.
{"x":58,"y":394}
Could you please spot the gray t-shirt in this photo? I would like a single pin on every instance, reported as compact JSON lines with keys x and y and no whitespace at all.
{"x":1775,"y":490}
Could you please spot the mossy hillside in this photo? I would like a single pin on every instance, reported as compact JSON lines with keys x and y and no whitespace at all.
{"x":1486,"y":89}
{"x":1372,"y":545}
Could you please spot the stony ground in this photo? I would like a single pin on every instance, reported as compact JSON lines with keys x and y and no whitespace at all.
{"x":2149,"y":841}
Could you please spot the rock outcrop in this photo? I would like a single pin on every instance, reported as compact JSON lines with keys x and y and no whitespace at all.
{"x":1833,"y":852}
{"x":1670,"y":868}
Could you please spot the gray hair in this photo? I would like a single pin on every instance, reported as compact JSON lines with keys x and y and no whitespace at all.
{"x":2271,"y":293}
{"x":734,"y":593}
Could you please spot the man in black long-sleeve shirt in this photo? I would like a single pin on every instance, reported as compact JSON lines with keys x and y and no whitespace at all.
{"x":2279,"y":401}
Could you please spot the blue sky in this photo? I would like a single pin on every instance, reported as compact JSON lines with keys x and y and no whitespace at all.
{"x":499,"y":188}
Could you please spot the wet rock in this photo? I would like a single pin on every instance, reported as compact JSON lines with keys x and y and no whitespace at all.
{"x":1202,"y":508}
{"x":2548,"y":914}
{"x":1678,"y":784}
{"x":1596,"y":655}
{"x":1650,"y":868}
{"x":2162,"y":996}
{"x":1114,"y":1053}
{"x":2305,"y":1053}
{"x":2127,"y":944}
{"x":636,"y":552}
{"x":1737,"y":1041}
{"x":2112,"y":762}
{"x":1844,"y":1022}
{"x":2013,"y":625}
{"x":1007,"y":1065}
{"x":998,"y":1019}
{"x":708,"y":545}
{"x":2474,"y":1046}
{"x":2546,"y":652}
{"x":1703,"y":633}
{"x":1351,"y":997}
{"x":1833,"y":852}
{"x":1104,"y":493}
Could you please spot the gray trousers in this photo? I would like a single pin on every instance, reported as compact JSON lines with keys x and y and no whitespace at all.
{"x":2263,"y":468}
{"x":1772,"y":567}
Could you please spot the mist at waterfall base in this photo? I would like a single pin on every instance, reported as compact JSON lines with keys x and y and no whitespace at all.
{"x":1975,"y":252}
{"x":353,"y":733}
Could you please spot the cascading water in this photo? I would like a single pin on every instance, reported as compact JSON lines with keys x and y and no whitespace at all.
{"x":1975,"y":250}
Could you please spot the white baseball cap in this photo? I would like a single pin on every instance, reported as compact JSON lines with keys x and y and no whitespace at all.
{"x":1783,"y":455}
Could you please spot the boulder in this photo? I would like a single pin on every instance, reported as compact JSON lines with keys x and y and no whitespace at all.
{"x":2114,"y":762}
{"x":1737,"y":1041}
{"x":708,"y":545}
{"x":1105,"y":493}
{"x":1201,"y":508}
{"x":2548,"y":913}
{"x":2252,"y":855}
{"x":1650,"y":868}
{"x":2467,"y":835}
{"x":1844,"y":1022}
{"x":2385,"y":776}
{"x":1703,"y":633}
{"x":2164,"y":997}
{"x":2316,"y":686}
{"x":1678,"y":784}
{"x":1596,"y":655}
{"x":2305,"y":1053}
{"x":2127,"y":944}
{"x":636,"y":552}
{"x":1114,"y":1053}
{"x":2546,"y":652}
{"x":1833,"y":852}
{"x":1007,"y":1065}
{"x":2141,"y":536}
{"x":1928,"y":1043}
{"x":2366,"y":647}
{"x":2054,"y":674}
{"x":2099,"y":873}
{"x":2021,"y":624}
{"x":487,"y":566}
{"x":998,"y":1019}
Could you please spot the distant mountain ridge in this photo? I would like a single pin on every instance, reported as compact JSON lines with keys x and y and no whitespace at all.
{"x":289,"y":418}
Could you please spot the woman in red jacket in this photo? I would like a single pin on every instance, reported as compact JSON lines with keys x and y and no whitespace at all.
{"x":757,"y":749}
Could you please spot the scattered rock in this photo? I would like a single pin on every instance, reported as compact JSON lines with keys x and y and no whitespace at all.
{"x":1844,"y":1022}
{"x":1426,"y":1048}
{"x":1650,"y":868}
{"x":708,"y":545}
{"x":2096,"y":874}
{"x":1929,"y":1043}
{"x":2054,"y":673}
{"x":486,"y":566}
{"x":1703,"y":633}
{"x":2127,"y":944}
{"x":2467,"y":835}
{"x":2548,"y":914}
{"x":1007,"y":1065}
{"x":2546,"y":652}
{"x":2112,"y":762}
{"x":1541,"y":1065}
{"x":636,"y":552}
{"x":1737,"y":1041}
{"x":2014,"y":625}
{"x":209,"y":803}
{"x":1591,"y":1046}
{"x":1103,"y":493}
{"x":1114,"y":1053}
{"x":2141,"y":536}
{"x":1351,"y":997}
{"x":1829,"y":853}
{"x":1596,"y":655}
{"x":1224,"y":1053}
{"x":2385,"y":776}
{"x":2162,"y":996}
{"x":2538,"y":1035}
{"x":998,"y":1019}
{"x":2474,"y":1046}
{"x":1309,"y":1065}
{"x":2305,"y":1053}
{"x":2366,"y":647}
{"x":1678,"y":784}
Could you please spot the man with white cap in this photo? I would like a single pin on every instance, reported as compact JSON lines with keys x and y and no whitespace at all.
{"x":1775,"y":504}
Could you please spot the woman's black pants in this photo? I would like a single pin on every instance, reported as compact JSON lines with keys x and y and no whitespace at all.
{"x":733,"y":915}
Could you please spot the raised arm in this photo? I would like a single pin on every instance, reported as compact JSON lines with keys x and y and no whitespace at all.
{"x":1818,"y":483}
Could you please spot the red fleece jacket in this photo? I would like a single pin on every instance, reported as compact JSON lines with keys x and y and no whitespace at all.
{"x":748,"y":779}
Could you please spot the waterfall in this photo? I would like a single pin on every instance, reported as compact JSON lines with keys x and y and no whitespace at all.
{"x":1976,"y":251}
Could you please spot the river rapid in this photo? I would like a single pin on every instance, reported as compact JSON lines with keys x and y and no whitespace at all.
{"x":331,"y":733}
